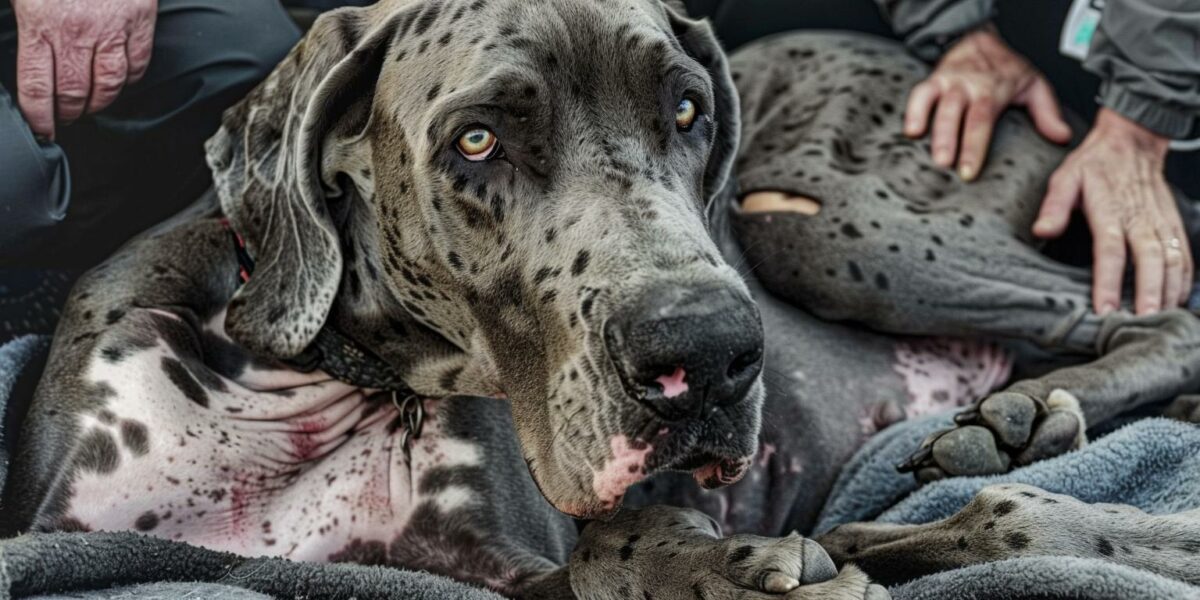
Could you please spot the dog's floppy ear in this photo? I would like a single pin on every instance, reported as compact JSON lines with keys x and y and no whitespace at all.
{"x":271,"y":163}
{"x":700,"y":42}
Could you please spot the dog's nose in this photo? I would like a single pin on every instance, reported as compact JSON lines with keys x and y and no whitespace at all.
{"x":685,"y":351}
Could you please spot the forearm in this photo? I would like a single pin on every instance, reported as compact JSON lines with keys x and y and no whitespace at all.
{"x":1146,"y":53}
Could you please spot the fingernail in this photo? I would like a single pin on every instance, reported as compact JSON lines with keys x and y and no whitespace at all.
{"x":966,"y":172}
{"x":942,"y":158}
{"x":1041,"y":224}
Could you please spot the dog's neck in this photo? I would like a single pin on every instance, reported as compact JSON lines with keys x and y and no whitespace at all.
{"x":370,"y":312}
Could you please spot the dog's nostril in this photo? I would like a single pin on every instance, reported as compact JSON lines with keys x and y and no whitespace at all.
{"x":743,"y":363}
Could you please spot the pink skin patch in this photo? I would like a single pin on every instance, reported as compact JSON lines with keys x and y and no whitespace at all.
{"x":941,"y":374}
{"x":673,"y":385}
{"x":626,"y":467}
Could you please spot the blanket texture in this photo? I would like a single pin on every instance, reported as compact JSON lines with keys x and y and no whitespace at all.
{"x":1152,"y":464}
{"x":127,"y":565}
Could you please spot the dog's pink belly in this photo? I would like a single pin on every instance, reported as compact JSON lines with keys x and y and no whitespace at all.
{"x":939,"y":375}
{"x":277,"y":463}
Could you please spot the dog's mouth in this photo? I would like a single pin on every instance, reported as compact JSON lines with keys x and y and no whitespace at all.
{"x":716,"y":457}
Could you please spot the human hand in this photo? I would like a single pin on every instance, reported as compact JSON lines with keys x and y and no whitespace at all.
{"x":75,"y":56}
{"x":1117,"y":173}
{"x":971,"y":86}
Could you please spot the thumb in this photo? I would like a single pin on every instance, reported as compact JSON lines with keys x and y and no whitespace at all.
{"x":1043,"y":107}
{"x":1061,"y":197}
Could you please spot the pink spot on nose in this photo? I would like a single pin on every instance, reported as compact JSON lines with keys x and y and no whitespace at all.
{"x":673,"y":385}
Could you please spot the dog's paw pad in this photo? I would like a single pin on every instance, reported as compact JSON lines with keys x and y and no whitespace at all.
{"x":1004,"y":430}
{"x":969,"y":450}
{"x":1010,"y":416}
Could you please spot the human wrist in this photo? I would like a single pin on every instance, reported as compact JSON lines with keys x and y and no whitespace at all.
{"x":1112,"y":125}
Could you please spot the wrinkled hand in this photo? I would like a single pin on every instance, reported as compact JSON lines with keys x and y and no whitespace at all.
{"x":75,"y":56}
{"x":1117,"y":173}
{"x":971,"y":86}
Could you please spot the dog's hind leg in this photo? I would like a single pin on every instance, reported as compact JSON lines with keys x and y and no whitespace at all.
{"x":1013,"y":520}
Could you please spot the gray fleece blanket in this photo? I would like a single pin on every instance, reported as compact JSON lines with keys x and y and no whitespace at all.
{"x":1153,"y":464}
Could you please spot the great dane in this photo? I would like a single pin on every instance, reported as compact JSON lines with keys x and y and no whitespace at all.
{"x":473,"y":269}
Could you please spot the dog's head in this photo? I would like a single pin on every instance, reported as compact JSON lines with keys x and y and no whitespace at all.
{"x":528,"y":180}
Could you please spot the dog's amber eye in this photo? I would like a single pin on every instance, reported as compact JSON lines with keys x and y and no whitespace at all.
{"x":685,"y":114}
{"x":477,"y":144}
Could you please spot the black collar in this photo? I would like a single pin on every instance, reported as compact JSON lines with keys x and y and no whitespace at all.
{"x":332,"y":352}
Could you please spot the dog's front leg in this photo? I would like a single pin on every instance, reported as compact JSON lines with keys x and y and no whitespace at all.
{"x":668,"y":553}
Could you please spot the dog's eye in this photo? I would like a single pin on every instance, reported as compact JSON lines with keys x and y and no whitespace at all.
{"x":685,"y":114}
{"x":478,"y":144}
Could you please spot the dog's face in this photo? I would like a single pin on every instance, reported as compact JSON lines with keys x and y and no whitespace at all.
{"x":532,"y":179}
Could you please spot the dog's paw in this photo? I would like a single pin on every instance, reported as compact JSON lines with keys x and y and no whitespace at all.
{"x":1004,"y":430}
{"x":1185,"y":408}
{"x":661,"y":552}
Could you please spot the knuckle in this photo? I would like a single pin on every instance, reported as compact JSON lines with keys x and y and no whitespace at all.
{"x":34,"y":89}
{"x":1174,"y":258}
{"x":1110,"y":235}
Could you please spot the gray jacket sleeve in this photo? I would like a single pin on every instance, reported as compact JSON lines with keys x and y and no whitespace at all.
{"x":1147,"y":52}
{"x":930,"y":26}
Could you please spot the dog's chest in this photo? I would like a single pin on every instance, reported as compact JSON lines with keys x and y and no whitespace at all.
{"x":271,"y":462}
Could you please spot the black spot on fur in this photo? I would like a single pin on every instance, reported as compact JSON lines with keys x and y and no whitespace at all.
{"x":183,"y":379}
{"x":742,"y":553}
{"x":147,"y":521}
{"x":1016,"y":540}
{"x":449,"y":379}
{"x":881,"y":281}
{"x":1004,"y":507}
{"x":581,"y":263}
{"x":1105,"y":547}
{"x":113,"y":316}
{"x":626,"y":552}
{"x":855,"y":272}
{"x":135,"y":437}
{"x":98,"y":452}
{"x":850,"y":231}
{"x":427,"y":18}
{"x":962,"y":543}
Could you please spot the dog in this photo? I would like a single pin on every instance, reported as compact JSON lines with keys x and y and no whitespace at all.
{"x":470,"y":272}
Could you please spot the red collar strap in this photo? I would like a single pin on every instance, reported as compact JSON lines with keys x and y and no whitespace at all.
{"x":245,"y":263}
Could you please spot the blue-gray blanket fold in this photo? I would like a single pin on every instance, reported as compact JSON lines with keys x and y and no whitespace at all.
{"x":1152,"y":464}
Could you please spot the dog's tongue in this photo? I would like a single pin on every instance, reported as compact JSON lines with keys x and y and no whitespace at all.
{"x":722,"y":472}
